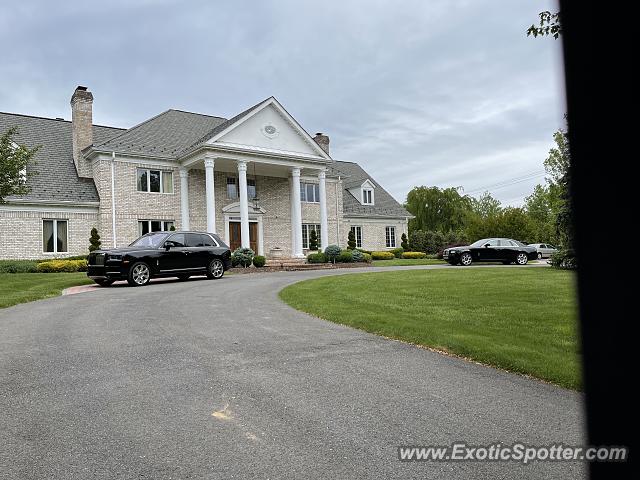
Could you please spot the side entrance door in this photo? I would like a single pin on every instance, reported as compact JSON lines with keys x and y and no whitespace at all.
{"x":235,"y":239}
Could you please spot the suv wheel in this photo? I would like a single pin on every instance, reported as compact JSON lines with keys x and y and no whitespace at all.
{"x":139,"y":274}
{"x":216,"y":269}
{"x":465,"y":259}
{"x":522,"y":258}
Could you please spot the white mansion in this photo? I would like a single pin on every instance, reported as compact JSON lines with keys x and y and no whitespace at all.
{"x":258,"y":180}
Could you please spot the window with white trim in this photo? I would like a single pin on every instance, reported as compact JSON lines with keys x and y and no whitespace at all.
{"x":307,"y":228}
{"x":54,"y":236}
{"x":357,"y":231}
{"x":309,"y":192}
{"x":148,"y":226}
{"x":154,"y":181}
{"x":367,"y":196}
{"x":390,"y":237}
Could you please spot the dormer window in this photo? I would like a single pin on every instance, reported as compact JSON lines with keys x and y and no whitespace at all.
{"x":367,"y":196}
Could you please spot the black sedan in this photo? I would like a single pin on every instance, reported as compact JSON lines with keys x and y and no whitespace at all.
{"x":505,"y":250}
{"x":161,"y":254}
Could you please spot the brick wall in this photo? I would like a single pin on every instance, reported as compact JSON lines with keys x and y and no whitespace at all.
{"x":374,"y":231}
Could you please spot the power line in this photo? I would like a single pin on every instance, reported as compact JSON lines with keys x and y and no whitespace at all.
{"x":508,"y":182}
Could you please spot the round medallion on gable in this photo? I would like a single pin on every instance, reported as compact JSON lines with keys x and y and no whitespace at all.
{"x":270,"y":131}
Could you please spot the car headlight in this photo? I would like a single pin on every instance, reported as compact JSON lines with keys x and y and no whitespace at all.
{"x":115,"y":258}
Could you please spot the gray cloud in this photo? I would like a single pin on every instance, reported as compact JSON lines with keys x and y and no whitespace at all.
{"x":438,"y":92}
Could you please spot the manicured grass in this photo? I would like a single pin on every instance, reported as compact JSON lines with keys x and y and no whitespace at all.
{"x":26,"y":287}
{"x":519,"y":319}
{"x":399,"y":262}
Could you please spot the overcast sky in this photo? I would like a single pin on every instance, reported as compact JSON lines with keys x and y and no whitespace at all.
{"x":425,"y":92}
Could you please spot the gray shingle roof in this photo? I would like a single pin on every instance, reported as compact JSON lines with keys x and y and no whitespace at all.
{"x":168,"y":134}
{"x":56,"y":178}
{"x":353,"y":175}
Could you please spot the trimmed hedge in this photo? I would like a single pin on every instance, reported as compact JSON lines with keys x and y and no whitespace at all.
{"x":414,"y":255}
{"x":382,"y":255}
{"x":242,"y":257}
{"x":259,"y":261}
{"x":366,"y":257}
{"x":397,"y":252}
{"x":368,"y":252}
{"x":58,"y":266}
{"x":18,"y":266}
{"x":345,"y":257}
{"x":317,"y":258}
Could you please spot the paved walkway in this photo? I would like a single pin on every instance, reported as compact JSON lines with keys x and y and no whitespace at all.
{"x":219,"y":379}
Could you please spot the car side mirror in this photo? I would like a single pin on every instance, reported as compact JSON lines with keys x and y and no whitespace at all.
{"x":168,"y":244}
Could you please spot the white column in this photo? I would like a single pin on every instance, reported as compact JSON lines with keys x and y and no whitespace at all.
{"x":296,"y":209}
{"x":184,"y":198}
{"x":210,"y":195}
{"x":244,"y":204}
{"x":324,"y":223}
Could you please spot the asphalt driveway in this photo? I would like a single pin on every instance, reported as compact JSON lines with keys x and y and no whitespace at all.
{"x":219,"y":379}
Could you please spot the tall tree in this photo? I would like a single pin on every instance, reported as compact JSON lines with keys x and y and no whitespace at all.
{"x":486,"y":205}
{"x":13,"y":164}
{"x":437,"y":209}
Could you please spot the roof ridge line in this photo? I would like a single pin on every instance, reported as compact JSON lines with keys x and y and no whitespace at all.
{"x":133,"y":128}
{"x":56,"y":119}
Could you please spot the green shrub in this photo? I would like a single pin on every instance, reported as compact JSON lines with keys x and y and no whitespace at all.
{"x":368,"y":252}
{"x":317,"y":258}
{"x":18,"y":266}
{"x":565,"y":259}
{"x":357,"y":256}
{"x":397,"y":252}
{"x":332,"y":251}
{"x":259,"y":261}
{"x":351,"y":240}
{"x":366,"y":257}
{"x":404,"y":242}
{"x":313,"y":240}
{"x":414,"y":255}
{"x":242,"y":257}
{"x":94,"y":240}
{"x":62,"y":265}
{"x":382,"y":255}
{"x":346,"y":256}
{"x":75,"y":257}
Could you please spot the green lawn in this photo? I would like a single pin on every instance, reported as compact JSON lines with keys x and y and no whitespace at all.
{"x":26,"y":287}
{"x":519,"y":319}
{"x":407,"y":261}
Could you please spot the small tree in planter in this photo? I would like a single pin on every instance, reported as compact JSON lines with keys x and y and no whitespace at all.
{"x":332,"y":252}
{"x":94,"y":240}
{"x":351,"y":240}
{"x":242,"y":257}
{"x":172,"y":228}
{"x":313,"y":240}
{"x":404,"y":242}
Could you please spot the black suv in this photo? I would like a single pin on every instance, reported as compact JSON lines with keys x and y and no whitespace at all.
{"x":161,"y":254}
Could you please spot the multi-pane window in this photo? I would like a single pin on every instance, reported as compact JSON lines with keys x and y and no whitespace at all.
{"x":367,"y":196}
{"x":157,"y":181}
{"x":310,"y":192}
{"x":147,"y":226}
{"x":54,"y":236}
{"x":233,"y":188}
{"x":390,"y":237}
{"x":307,"y":228}
{"x":357,"y":231}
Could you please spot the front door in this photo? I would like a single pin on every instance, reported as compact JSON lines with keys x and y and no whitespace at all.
{"x":235,"y":240}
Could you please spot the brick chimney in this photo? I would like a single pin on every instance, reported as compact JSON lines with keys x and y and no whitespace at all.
{"x":322,"y":140}
{"x":82,"y":128}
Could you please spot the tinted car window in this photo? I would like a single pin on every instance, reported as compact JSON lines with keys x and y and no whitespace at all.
{"x":507,"y":243}
{"x":493,"y":242}
{"x":207,"y":241}
{"x":150,"y":240}
{"x":178,"y":239}
{"x":193,"y":240}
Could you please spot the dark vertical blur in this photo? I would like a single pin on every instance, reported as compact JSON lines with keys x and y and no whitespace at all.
{"x":603,"y":145}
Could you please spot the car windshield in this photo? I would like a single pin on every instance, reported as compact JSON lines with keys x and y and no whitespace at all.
{"x":480,"y":243}
{"x":153,"y":240}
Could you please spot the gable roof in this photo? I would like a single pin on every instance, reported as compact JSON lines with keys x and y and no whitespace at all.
{"x":354,"y":176}
{"x":56,"y":178}
{"x":168,"y":134}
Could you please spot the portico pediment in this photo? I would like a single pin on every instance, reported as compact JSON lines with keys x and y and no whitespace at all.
{"x":234,"y":209}
{"x":269,"y":127}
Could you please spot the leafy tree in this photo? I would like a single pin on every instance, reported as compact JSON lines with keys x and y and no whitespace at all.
{"x":351,"y":240}
{"x":437,"y":209}
{"x":13,"y":163}
{"x":94,"y":240}
{"x":404,"y":242}
{"x":510,"y":222}
{"x":313,"y":240}
{"x":550,"y":24}
{"x":486,"y":205}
